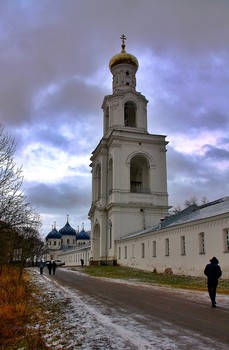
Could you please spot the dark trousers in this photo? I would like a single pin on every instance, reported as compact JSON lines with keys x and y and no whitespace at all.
{"x":212,"y":292}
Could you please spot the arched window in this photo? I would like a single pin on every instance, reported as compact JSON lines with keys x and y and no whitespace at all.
{"x":139,"y":175}
{"x":110,"y":233}
{"x":110,"y":176}
{"x":96,"y":241}
{"x":98,"y":182}
{"x":130,"y":114}
{"x":106,"y":119}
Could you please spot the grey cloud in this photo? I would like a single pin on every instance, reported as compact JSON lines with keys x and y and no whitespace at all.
{"x":216,"y":153}
{"x":63,"y":196}
{"x":74,"y":97}
{"x":181,"y":98}
{"x":190,"y":175}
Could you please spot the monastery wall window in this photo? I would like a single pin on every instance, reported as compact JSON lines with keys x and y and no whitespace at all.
{"x":226,"y":239}
{"x":143,"y":249}
{"x":183,"y":248}
{"x":133,"y":251}
{"x":125,"y":255}
{"x":130,"y":114}
{"x":139,"y":175}
{"x":119,"y":252}
{"x":68,"y":241}
{"x":201,"y":243}
{"x":154,"y":249}
{"x":54,"y":243}
{"x":167,"y":247}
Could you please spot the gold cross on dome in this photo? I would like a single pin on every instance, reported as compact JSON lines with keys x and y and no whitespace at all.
{"x":123,"y":38}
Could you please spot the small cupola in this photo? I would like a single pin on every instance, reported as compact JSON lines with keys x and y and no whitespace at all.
{"x":123,"y":66}
{"x":54,"y":234}
{"x":82,"y":235}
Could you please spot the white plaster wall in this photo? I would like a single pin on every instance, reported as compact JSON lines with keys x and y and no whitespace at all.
{"x":72,"y":257}
{"x":192,"y":263}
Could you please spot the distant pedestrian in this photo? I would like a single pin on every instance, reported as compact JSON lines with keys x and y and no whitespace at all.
{"x":82,"y":262}
{"x":213,"y":273}
{"x":53,"y":267}
{"x":41,"y":266}
{"x":49,"y":267}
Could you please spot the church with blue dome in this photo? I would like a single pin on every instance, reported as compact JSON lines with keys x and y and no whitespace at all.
{"x":59,"y":242}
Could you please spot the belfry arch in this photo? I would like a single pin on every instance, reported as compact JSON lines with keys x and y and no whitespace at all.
{"x":130,"y":114}
{"x":139,"y":174}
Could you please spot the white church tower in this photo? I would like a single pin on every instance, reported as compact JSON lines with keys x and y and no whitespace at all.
{"x":129,"y":181}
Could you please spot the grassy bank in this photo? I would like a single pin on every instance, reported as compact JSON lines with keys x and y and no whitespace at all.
{"x":131,"y":274}
{"x":18,"y":312}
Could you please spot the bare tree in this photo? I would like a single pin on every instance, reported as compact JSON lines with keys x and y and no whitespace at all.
{"x":28,"y":247}
{"x":188,"y":203}
{"x":11,"y":195}
{"x":204,"y":200}
{"x":191,"y":201}
{"x":176,"y":209}
{"x":17,"y":217}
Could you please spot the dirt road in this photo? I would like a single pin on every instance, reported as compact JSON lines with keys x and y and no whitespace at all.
{"x":159,"y":309}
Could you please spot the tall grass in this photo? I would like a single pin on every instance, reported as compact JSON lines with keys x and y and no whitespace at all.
{"x":16,"y":312}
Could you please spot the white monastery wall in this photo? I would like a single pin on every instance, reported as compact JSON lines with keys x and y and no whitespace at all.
{"x":72,"y":257}
{"x":180,"y":248}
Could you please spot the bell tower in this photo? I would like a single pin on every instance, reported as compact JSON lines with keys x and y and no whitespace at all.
{"x":129,"y":181}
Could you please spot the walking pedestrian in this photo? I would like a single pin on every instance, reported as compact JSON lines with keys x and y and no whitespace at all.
{"x":213,"y":273}
{"x":49,"y":267}
{"x":41,"y":266}
{"x":54,"y":267}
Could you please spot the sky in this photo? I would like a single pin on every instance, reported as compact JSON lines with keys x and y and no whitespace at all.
{"x":54,"y":57}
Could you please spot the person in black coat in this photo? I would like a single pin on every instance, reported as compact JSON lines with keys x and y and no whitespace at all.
{"x":213,"y":273}
{"x":49,"y":266}
{"x":53,"y":267}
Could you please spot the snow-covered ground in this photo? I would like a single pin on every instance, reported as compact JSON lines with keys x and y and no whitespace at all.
{"x":77,"y":322}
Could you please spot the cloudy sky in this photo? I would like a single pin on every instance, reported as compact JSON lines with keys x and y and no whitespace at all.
{"x":54,"y":74}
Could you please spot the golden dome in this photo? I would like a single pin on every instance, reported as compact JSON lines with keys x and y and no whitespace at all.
{"x":123,"y":57}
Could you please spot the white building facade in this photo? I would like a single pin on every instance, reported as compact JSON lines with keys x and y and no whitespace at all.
{"x":129,"y":195}
{"x":183,"y":243}
{"x":129,"y":182}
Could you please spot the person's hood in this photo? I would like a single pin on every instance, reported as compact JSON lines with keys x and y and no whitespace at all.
{"x":214,"y":260}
